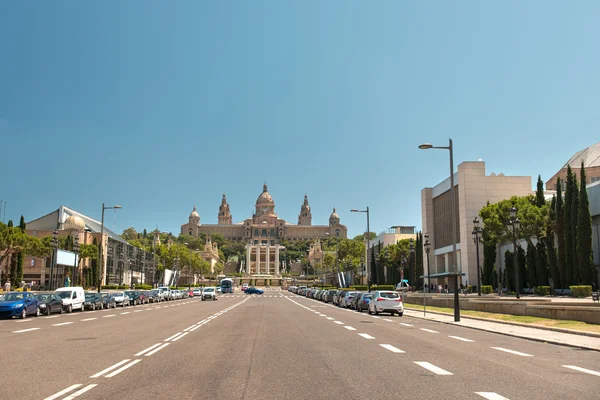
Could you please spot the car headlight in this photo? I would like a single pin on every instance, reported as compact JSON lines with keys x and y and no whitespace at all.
{"x":17,"y":305}
{"x":42,"y":305}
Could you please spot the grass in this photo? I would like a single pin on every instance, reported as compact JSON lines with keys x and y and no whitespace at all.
{"x":523,"y":319}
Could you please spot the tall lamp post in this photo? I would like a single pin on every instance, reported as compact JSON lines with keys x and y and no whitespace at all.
{"x":368,"y":272}
{"x":101,"y":266}
{"x":512,"y":225}
{"x":76,"y":251}
{"x":426,"y":146}
{"x":477,"y":231}
{"x":427,"y":245}
{"x":54,"y":244}
{"x":412,"y":265}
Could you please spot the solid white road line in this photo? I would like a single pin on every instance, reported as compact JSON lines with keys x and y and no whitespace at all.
{"x":428,"y":330}
{"x":108,"y":316}
{"x":373,"y":316}
{"x":338,"y":322}
{"x":80,"y":391}
{"x":24,"y":320}
{"x":179,"y":337}
{"x":67,"y":390}
{"x":141,"y":353}
{"x":350,"y":328}
{"x":518,"y":353}
{"x":491,"y":396}
{"x":157,"y":349}
{"x":366,"y":336}
{"x":392,"y":348}
{"x":331,"y":319}
{"x":388,"y":320}
{"x":587,"y":371}
{"x":461,"y":338}
{"x":432,"y":368}
{"x":138,"y":310}
{"x":405,"y":324}
{"x":62,"y":323}
{"x":123,"y":368}
{"x":52,"y":316}
{"x":189,"y":328}
{"x":126,"y":312}
{"x":88,"y":319}
{"x":117,"y":365}
{"x":26,"y":330}
{"x":196,"y":327}
{"x":171,"y":337}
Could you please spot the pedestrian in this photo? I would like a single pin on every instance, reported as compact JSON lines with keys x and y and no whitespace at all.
{"x":7,"y":286}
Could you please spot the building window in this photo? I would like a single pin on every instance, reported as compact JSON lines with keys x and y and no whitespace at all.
{"x":337,"y":232}
{"x":190,"y":231}
{"x":256,"y":232}
{"x":594,"y":179}
{"x":255,"y":242}
{"x":272,"y":243}
{"x":264,"y":232}
{"x":272,"y":232}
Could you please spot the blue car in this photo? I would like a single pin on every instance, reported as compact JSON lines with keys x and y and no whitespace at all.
{"x":253,"y":290}
{"x":19,"y":304}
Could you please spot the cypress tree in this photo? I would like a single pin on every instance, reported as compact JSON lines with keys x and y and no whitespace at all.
{"x":20,"y":257}
{"x":374,"y":269}
{"x":587,"y":271}
{"x":531,"y":265}
{"x":560,"y":238}
{"x":540,"y":200}
{"x":568,"y":231}
{"x":94,"y":269}
{"x":575,"y":234}
{"x":541,"y":264}
{"x":550,"y":246}
{"x":522,"y":260}
{"x":489,"y":259}
{"x":419,"y":259}
{"x":509,"y":270}
{"x":12,"y":263}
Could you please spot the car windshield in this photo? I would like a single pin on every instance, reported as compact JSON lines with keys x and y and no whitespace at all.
{"x":90,"y":295}
{"x":367,"y":296}
{"x":154,"y":291}
{"x":118,"y":294}
{"x":130,"y":293}
{"x":43,"y":297}
{"x":64,"y":294}
{"x":389,"y":295}
{"x":209,"y":290}
{"x":13,"y":297}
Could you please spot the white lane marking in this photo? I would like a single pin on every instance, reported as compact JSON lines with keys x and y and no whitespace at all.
{"x":126,"y":312}
{"x":117,"y":365}
{"x":26,"y":330}
{"x":388,"y":320}
{"x":189,"y":328}
{"x":141,"y":353}
{"x":491,"y":396}
{"x":123,"y":368}
{"x":138,"y":310}
{"x":405,"y":324}
{"x":67,"y":390}
{"x":587,"y":371}
{"x":52,"y":316}
{"x":179,"y":337}
{"x":196,"y":327}
{"x":63,"y":323}
{"x":171,"y":337}
{"x":428,"y":330}
{"x":432,"y":368}
{"x":108,"y":316}
{"x":331,"y":319}
{"x":158,"y":349}
{"x":373,"y":316}
{"x":366,"y":336}
{"x":24,"y":320}
{"x":80,"y":391}
{"x":338,"y":322}
{"x":392,"y":348}
{"x":518,"y":353}
{"x":463,"y":339}
{"x":88,"y":319}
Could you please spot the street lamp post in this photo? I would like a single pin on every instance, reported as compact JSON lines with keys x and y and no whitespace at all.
{"x":368,"y":272}
{"x":412,"y":267}
{"x":426,"y":146}
{"x":512,"y":225}
{"x":101,"y":249}
{"x":477,"y":231}
{"x":427,"y":245}
{"x":76,"y":251}
{"x":54,"y":244}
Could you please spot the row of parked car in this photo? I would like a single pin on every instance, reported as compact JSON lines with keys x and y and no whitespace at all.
{"x":69,"y":299}
{"x":386,"y":301}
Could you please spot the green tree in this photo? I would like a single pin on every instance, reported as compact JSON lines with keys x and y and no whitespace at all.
{"x":551,"y":226}
{"x":129,"y":234}
{"x":328,"y":262}
{"x":20,"y":256}
{"x":419,"y":259}
{"x":95,"y":271}
{"x":575,"y":232}
{"x":522,"y":260}
{"x":568,"y":230}
{"x":531,"y":265}
{"x":540,"y":200}
{"x":509,"y":269}
{"x":541,"y":264}
{"x":145,"y":234}
{"x":560,"y":238}
{"x":375,"y":275}
{"x":489,"y":260}
{"x":86,"y":251}
{"x":587,"y":271}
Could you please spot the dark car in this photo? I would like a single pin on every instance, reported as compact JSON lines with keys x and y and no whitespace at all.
{"x":19,"y":304}
{"x":362,"y":302}
{"x":49,"y":303}
{"x":93,"y":301}
{"x":137,"y":297}
{"x":154,"y":296}
{"x":108,"y":300}
{"x":253,"y":290}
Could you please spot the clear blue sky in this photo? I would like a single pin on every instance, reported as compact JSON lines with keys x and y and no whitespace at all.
{"x":158,"y":106}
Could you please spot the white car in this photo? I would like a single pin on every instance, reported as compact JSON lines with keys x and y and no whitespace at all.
{"x":209,"y":293}
{"x":73,"y":297}
{"x":386,"y":301}
{"x":197,"y":292}
{"x":121,"y":299}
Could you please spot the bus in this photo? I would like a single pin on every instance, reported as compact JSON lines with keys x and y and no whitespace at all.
{"x":227,"y":285}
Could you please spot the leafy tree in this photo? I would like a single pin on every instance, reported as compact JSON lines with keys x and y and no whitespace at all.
{"x":561,"y":275}
{"x":489,"y":260}
{"x":522,"y":260}
{"x":551,"y":226}
{"x":531,"y":265}
{"x":145,"y":234}
{"x":20,"y":257}
{"x":328,"y":262}
{"x":361,"y":238}
{"x":568,"y":231}
{"x":86,"y":251}
{"x":574,"y":220}
{"x":540,"y":200}
{"x":129,"y":234}
{"x":587,"y":271}
{"x":541,"y":264}
{"x":509,"y":268}
{"x":375,"y":276}
{"x":95,"y":271}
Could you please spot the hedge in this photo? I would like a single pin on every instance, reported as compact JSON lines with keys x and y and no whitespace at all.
{"x":581,"y":291}
{"x":542,"y":290}
{"x":486,"y":289}
{"x":383,"y":287}
{"x":359,"y":287}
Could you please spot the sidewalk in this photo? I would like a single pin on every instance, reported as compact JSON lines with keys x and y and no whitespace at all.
{"x":587,"y":341}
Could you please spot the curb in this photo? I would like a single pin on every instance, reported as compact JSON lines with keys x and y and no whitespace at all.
{"x":544,"y":328}
{"x":575,"y":346}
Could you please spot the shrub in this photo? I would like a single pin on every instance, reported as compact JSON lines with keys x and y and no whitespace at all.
{"x":542,"y":290}
{"x":486,"y":289}
{"x":581,"y":291}
{"x":110,"y":287}
{"x":382,"y":287}
{"x":359,"y":287}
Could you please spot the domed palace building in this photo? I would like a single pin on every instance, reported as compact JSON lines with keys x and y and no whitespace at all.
{"x":264,"y":232}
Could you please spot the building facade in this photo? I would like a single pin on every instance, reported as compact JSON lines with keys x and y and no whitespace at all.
{"x":264,"y":231}
{"x":590,"y":157}
{"x":473,"y":189}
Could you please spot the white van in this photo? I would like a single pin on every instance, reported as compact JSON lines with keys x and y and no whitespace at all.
{"x":72,"y":297}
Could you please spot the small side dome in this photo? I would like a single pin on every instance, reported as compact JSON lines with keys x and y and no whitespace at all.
{"x":74,"y":223}
{"x":194,"y":213}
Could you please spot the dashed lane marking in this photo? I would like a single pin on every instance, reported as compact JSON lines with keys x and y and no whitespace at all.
{"x":587,"y":371}
{"x":104,"y":371}
{"x":63,"y":323}
{"x":428,"y":330}
{"x":123,"y":368}
{"x":432,"y":368}
{"x":108,"y":316}
{"x":65,"y":391}
{"x":366,"y":336}
{"x":461,"y":338}
{"x":179,"y":337}
{"x":88,"y":319}
{"x":518,"y":353}
{"x":141,"y":353}
{"x":338,"y":322}
{"x":81,"y":391}
{"x":171,"y":337}
{"x":392,"y":348}
{"x":405,"y":324}
{"x":156,"y":350}
{"x":491,"y":396}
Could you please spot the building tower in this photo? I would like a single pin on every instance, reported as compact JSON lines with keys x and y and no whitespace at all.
{"x":305,"y":217}
{"x":334,"y":218}
{"x":194,"y":218}
{"x":265,"y":204}
{"x":224,"y":212}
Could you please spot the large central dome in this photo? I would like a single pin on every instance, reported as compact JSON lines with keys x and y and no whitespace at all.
{"x":265,"y":197}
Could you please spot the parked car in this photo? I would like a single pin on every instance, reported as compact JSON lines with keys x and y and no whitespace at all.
{"x":328,"y":296}
{"x":49,"y":303}
{"x":108,"y":300}
{"x":196,"y":292}
{"x":244,"y":287}
{"x":209,"y":293}
{"x":347,"y":297}
{"x":136,"y":297}
{"x":156,"y":296}
{"x":122,"y":299}
{"x":253,"y":290}
{"x":362,"y":302}
{"x":168,"y":295}
{"x":19,"y":304}
{"x":93,"y":301}
{"x":386,"y":301}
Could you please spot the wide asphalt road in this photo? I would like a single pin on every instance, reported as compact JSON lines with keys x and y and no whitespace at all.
{"x":277,"y":346}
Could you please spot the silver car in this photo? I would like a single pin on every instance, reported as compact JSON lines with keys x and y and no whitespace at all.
{"x":386,"y":301}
